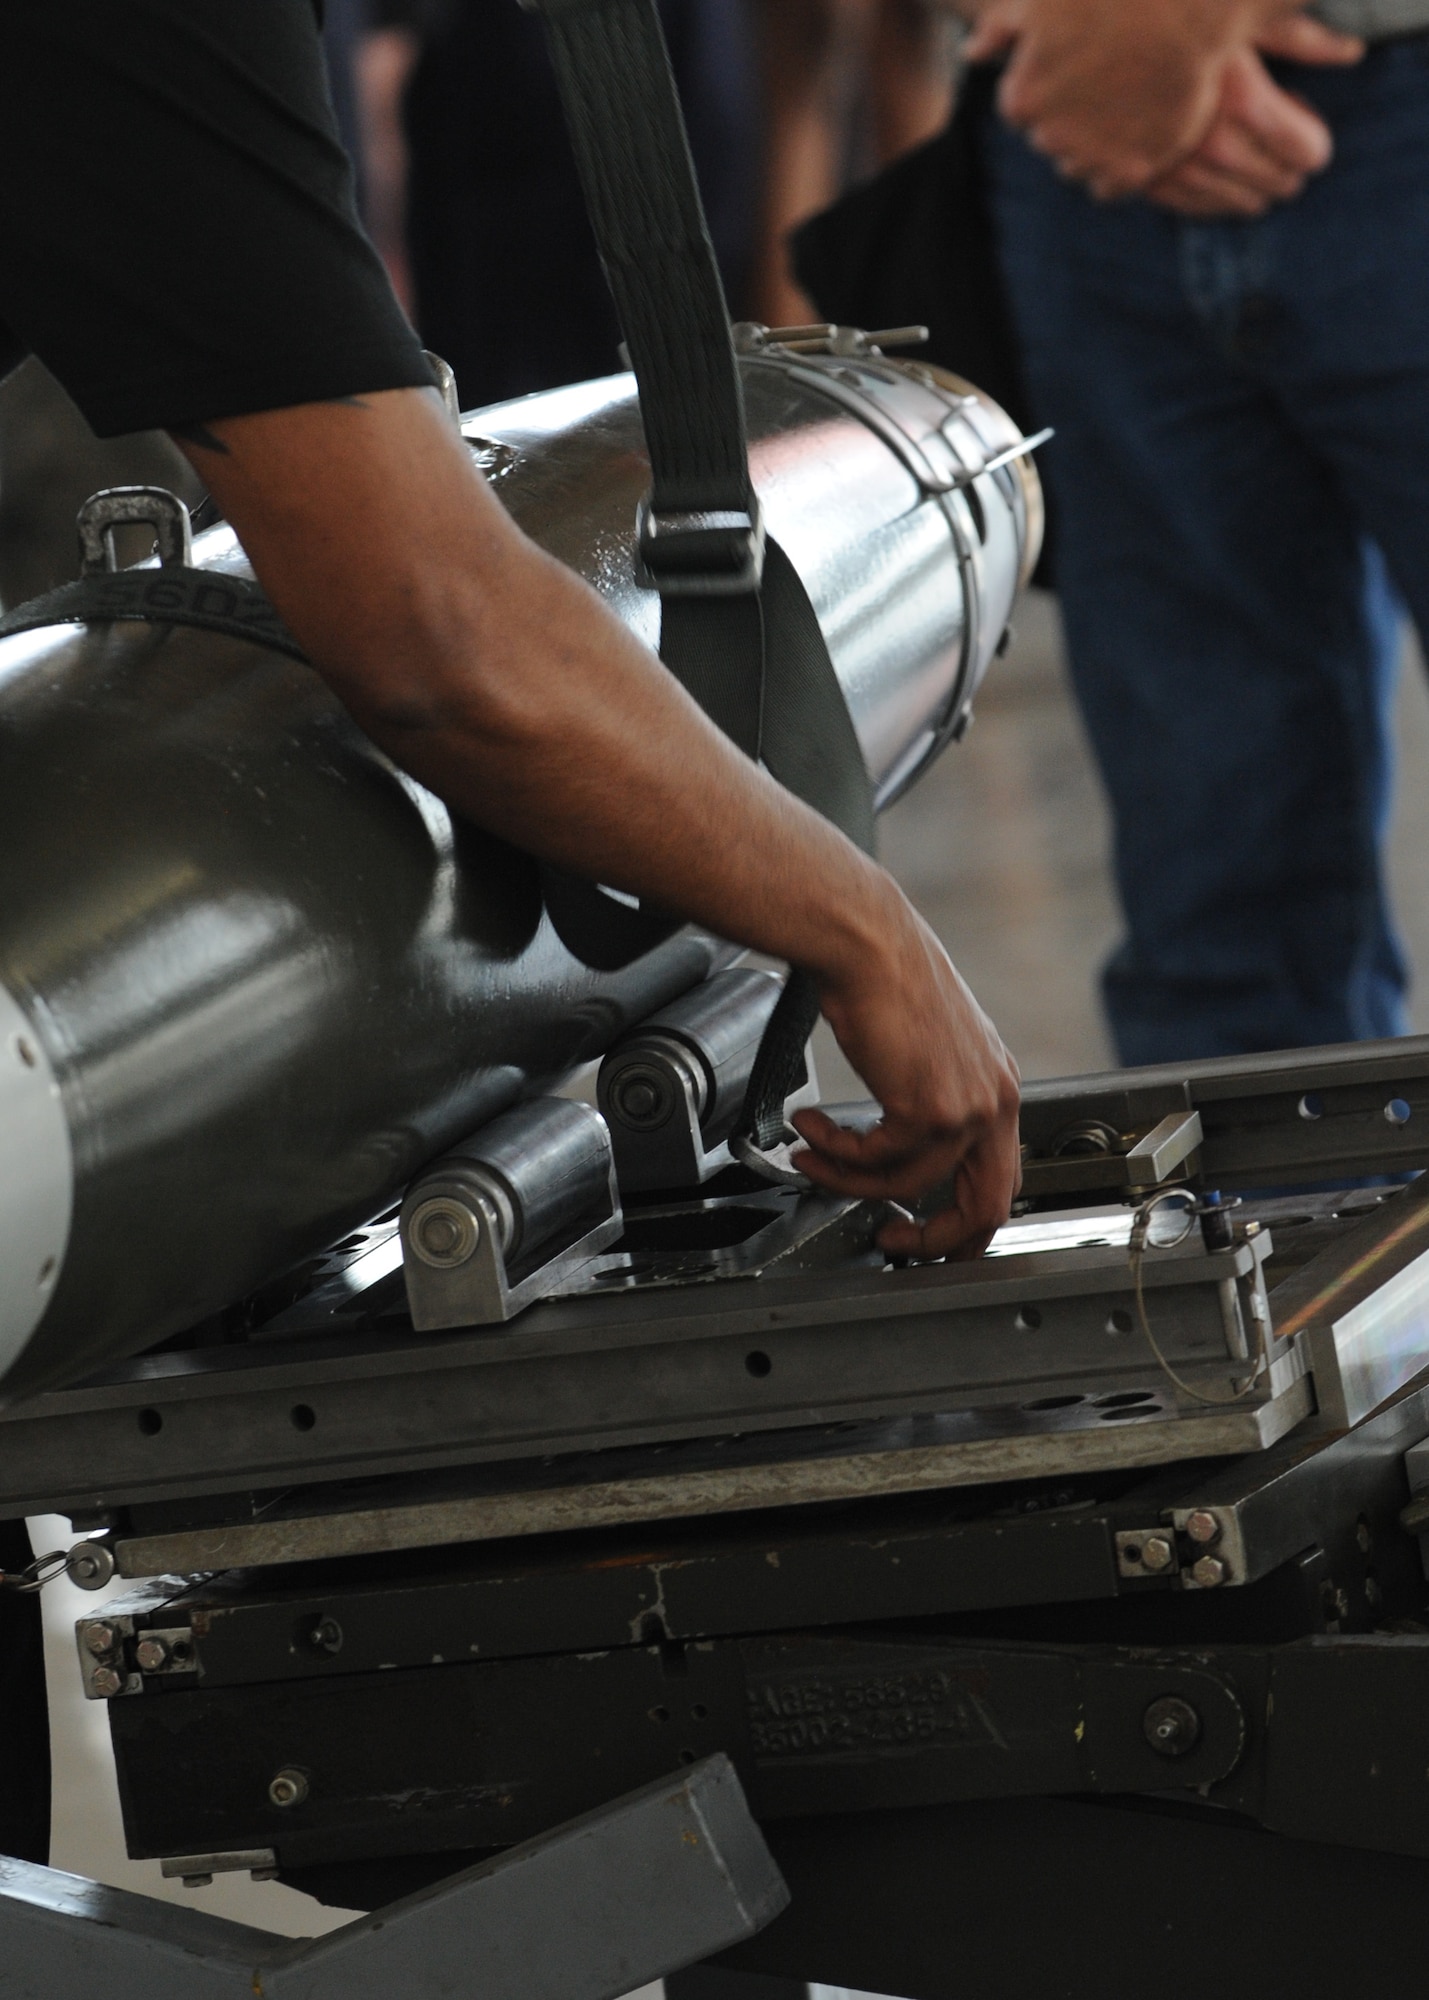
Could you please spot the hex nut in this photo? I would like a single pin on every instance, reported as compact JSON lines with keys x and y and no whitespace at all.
{"x":289,"y":1788}
{"x":106,"y":1682}
{"x":150,"y":1655}
{"x":100,"y":1639}
{"x":1171,"y":1726}
{"x":1203,"y":1527}
{"x":1157,"y":1553}
{"x":1208,"y":1571}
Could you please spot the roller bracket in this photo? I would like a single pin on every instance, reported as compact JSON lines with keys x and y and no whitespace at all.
{"x":509,"y":1217}
{"x":672,"y":1089}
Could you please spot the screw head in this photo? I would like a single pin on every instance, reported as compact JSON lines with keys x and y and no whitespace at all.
{"x":100,"y":1639}
{"x":150,"y":1655}
{"x":1203,"y":1527}
{"x":1171,"y":1726}
{"x":326,"y":1636}
{"x":106,"y":1683}
{"x":1208,"y":1571}
{"x":288,"y":1788}
{"x":1157,"y":1553}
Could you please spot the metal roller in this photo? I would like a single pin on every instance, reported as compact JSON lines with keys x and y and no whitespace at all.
{"x":671,"y":1090}
{"x":253,"y":978}
{"x":533,"y":1186}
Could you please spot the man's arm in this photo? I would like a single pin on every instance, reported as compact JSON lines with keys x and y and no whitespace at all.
{"x":1116,"y":91}
{"x":499,"y":679}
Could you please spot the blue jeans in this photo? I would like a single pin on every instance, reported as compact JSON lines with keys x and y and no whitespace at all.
{"x":1241,"y":469}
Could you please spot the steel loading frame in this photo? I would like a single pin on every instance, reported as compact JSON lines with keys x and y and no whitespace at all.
{"x":1239,"y":1629}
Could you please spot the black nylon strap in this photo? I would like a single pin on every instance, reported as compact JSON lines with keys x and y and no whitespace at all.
{"x":811,"y":746}
{"x":629,"y":140}
{"x":756,"y":662}
{"x":168,"y":596}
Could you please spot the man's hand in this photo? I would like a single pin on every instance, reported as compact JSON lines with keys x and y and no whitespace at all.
{"x":1116,"y":91}
{"x":1264,"y":143}
{"x":948,"y":1088}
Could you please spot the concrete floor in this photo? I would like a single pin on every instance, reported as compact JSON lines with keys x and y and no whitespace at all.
{"x":1004,"y":848}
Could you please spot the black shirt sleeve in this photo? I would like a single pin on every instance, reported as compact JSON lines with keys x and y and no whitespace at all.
{"x":179,"y":240}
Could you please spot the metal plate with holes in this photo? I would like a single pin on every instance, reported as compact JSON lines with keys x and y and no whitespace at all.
{"x":1026,"y":1356}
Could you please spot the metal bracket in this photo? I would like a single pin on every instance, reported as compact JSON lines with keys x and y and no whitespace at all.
{"x":672,"y":1088}
{"x":1146,"y":1552}
{"x":444,"y":376}
{"x":655,"y":1881}
{"x":196,"y":1871}
{"x":127,"y":506}
{"x":1090,"y":1155}
{"x":511,"y":1216}
{"x":116,"y":1657}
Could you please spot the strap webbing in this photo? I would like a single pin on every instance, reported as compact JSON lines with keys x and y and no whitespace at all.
{"x":171,"y":595}
{"x":628,"y":135}
{"x":755,"y":660}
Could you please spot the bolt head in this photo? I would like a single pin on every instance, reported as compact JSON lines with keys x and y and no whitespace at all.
{"x":443,"y":1232}
{"x":100,"y":1639}
{"x":326,"y":1636}
{"x":150,"y":1655}
{"x":1157,"y":1553}
{"x":106,"y":1683}
{"x":1208,"y":1572}
{"x":1203,"y":1527}
{"x":90,"y":1565}
{"x":288,"y":1788}
{"x":1171,"y":1726}
{"x":641,"y":1097}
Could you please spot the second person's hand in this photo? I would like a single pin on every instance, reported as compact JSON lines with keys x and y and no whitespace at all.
{"x":1264,"y":143}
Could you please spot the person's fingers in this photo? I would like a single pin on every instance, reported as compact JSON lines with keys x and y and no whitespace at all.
{"x":901,"y":1176}
{"x":1111,"y":109}
{"x":1240,"y":151}
{"x":888,"y":1144}
{"x":996,"y":30}
{"x":1254,"y":111}
{"x":1205,"y":192}
{"x":1299,"y":38}
{"x":1110,"y":176}
{"x":985,"y":1188}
